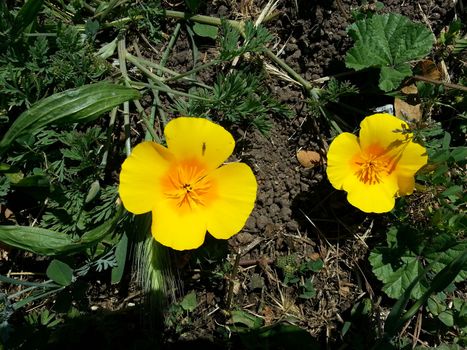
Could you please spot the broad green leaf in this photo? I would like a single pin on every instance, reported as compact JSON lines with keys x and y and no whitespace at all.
{"x":51,"y":243}
{"x":189,"y":302}
{"x":388,"y":42}
{"x":444,"y":256}
{"x":441,"y":281}
{"x":397,"y":276}
{"x":120,"y":256}
{"x":447,"y":318}
{"x":60,"y":273}
{"x":82,"y":104}
{"x":205,"y":30}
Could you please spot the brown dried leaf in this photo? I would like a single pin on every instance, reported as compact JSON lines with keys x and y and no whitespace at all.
{"x":407,"y":111}
{"x":429,"y":70}
{"x":410,"y":90}
{"x":308,"y":159}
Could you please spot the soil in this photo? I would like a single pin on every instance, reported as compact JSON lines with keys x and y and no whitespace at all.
{"x":297,"y":213}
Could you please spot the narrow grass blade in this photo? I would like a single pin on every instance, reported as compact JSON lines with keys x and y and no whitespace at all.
{"x":26,"y":15}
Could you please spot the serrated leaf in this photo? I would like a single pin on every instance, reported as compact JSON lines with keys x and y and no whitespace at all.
{"x":388,"y":41}
{"x":396,"y":272}
{"x":189,"y":302}
{"x":205,"y":30}
{"x":444,"y":256}
{"x":82,"y":104}
{"x":60,"y":273}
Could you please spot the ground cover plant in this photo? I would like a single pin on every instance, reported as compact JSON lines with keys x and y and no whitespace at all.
{"x":232,"y":174}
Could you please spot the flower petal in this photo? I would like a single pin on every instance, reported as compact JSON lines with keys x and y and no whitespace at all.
{"x":199,"y":138}
{"x":139,"y":179}
{"x":413,"y":157}
{"x":376,"y":198}
{"x":176,"y":229}
{"x":383,"y":130}
{"x":236,"y":188}
{"x":406,"y":185}
{"x":341,"y":152}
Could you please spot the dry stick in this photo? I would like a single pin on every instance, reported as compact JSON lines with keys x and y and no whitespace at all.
{"x":162,"y":63}
{"x":439,"y":82}
{"x":113,"y":114}
{"x":233,"y":275}
{"x":126,"y":104}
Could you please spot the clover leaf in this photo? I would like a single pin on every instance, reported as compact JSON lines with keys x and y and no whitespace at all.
{"x":388,"y":42}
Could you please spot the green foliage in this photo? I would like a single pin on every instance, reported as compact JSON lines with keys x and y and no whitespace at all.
{"x":238,"y":97}
{"x":300,"y":273}
{"x":35,"y":66}
{"x":405,"y":256}
{"x":60,"y":272}
{"x":388,"y":42}
{"x":255,"y":40}
{"x":83,"y":104}
{"x":46,"y":242}
{"x":146,"y":16}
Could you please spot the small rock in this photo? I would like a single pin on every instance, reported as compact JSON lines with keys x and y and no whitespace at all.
{"x":262,"y":221}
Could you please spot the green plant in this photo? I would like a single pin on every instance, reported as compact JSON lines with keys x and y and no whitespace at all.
{"x":238,"y":97}
{"x":388,"y":42}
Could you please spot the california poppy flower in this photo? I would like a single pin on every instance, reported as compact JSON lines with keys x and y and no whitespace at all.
{"x":376,"y":166}
{"x":185,"y":187}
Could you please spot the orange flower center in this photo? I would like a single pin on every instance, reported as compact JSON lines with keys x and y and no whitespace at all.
{"x":373,"y":165}
{"x":188,"y":186}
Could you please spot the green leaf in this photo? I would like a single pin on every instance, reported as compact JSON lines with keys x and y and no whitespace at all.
{"x":390,"y":78}
{"x":26,"y":15}
{"x":205,"y":30}
{"x":120,"y":256}
{"x":82,"y":104}
{"x":60,"y":273}
{"x":396,"y":272}
{"x":388,"y":42}
{"x":447,"y":318}
{"x":47,"y":242}
{"x":246,"y":319}
{"x":189,"y":302}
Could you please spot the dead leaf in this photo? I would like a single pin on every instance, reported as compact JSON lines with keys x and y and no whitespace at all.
{"x":308,"y":159}
{"x":429,"y":70}
{"x":410,"y":89}
{"x":407,"y":111}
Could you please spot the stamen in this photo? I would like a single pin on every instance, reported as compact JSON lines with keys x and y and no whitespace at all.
{"x":373,"y":167}
{"x":187,"y":185}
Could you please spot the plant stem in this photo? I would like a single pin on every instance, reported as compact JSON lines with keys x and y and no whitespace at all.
{"x":439,"y":82}
{"x":126,"y":105}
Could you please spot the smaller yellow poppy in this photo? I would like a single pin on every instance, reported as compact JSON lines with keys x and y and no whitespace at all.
{"x":185,"y":186}
{"x":378,"y":165}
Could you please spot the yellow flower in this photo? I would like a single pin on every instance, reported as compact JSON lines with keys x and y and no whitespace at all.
{"x":185,"y":187}
{"x":378,"y":165}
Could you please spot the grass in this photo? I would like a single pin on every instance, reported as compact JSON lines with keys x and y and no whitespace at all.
{"x":87,"y":272}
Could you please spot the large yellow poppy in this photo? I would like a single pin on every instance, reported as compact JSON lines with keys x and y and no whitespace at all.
{"x":378,"y":165}
{"x":185,"y":185}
